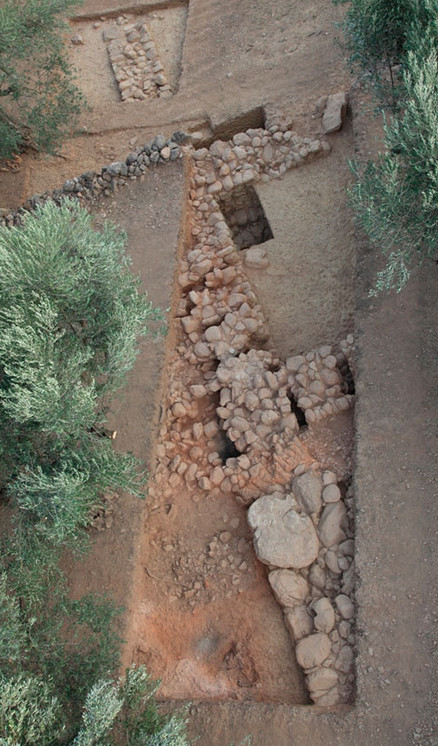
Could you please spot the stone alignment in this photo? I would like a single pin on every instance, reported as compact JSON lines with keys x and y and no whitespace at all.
{"x":90,"y":185}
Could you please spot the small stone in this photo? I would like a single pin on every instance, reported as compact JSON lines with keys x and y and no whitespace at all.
{"x":158,"y":142}
{"x":256,"y":258}
{"x":344,"y":629}
{"x":268,"y":153}
{"x":299,"y":622}
{"x":347,"y":548}
{"x":307,"y":490}
{"x":202,"y":350}
{"x":331,"y":493}
{"x":317,"y":576}
{"x":77,"y":40}
{"x":322,"y":681}
{"x":325,"y":615}
{"x":331,"y":560}
{"x":198,"y":390}
{"x":293,"y":364}
{"x":349,"y":579}
{"x":290,"y":588}
{"x":326,"y":698}
{"x":330,"y":528}
{"x":215,"y":187}
{"x":225,"y":537}
{"x":213,"y":334}
{"x":211,"y":428}
{"x":217,"y":476}
{"x":313,"y":650}
{"x":345,"y":606}
{"x":179,"y":410}
{"x":345,"y":659}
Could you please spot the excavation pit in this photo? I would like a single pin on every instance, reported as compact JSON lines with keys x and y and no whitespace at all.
{"x":245,"y":217}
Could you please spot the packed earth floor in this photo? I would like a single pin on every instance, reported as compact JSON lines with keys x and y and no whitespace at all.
{"x":279,"y":573}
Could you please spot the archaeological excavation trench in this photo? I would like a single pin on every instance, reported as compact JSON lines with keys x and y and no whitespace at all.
{"x":245,"y":577}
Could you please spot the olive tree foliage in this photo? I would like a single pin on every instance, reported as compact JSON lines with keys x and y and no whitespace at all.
{"x":70,"y":316}
{"x":395,"y":198}
{"x":376,"y":37}
{"x":71,"y":313}
{"x":39,"y":99}
{"x":122,"y":712}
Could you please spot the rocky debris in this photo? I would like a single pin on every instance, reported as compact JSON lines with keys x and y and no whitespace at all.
{"x":317,"y":383}
{"x":315,"y":591}
{"x":135,"y":62}
{"x":282,"y":537}
{"x":221,"y":567}
{"x":254,"y":406}
{"x":334,"y":112}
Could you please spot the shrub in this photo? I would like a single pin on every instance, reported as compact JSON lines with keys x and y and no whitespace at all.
{"x":70,"y":315}
{"x":395,"y":198}
{"x":39,"y":100}
{"x":377,"y":35}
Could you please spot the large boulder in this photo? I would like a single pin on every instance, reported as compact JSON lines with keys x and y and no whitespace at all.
{"x":282,"y":536}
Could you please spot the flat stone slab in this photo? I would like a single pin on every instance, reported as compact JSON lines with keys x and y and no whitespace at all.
{"x":282,"y":536}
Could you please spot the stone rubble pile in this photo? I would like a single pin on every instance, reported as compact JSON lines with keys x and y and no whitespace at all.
{"x":135,"y":62}
{"x":305,"y":537}
{"x":316,"y":381}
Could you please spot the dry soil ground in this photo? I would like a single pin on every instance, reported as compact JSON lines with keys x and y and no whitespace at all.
{"x":226,"y":641}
